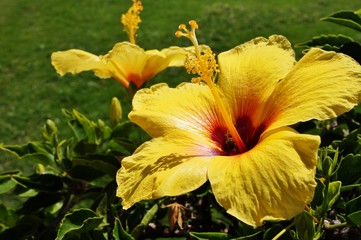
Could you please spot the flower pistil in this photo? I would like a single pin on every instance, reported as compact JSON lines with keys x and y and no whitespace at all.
{"x":131,"y":19}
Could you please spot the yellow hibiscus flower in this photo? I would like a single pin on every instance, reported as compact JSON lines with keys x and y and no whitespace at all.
{"x":126,"y":62}
{"x":269,"y":173}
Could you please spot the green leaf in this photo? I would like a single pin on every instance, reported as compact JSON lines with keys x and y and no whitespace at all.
{"x":6,"y":183}
{"x":353,"y":205}
{"x":253,"y":236}
{"x":25,"y":228}
{"x":7,"y":216}
{"x":333,"y":193}
{"x":209,"y":235}
{"x":330,"y":42}
{"x":41,"y":182}
{"x":33,"y":151}
{"x":137,"y":231}
{"x":346,"y":18}
{"x":305,"y":226}
{"x":40,"y":201}
{"x":79,"y":221}
{"x":352,"y":49}
{"x":350,"y":144}
{"x":350,"y":171}
{"x":90,"y":169}
{"x":355,"y":217}
{"x":119,"y":233}
{"x":82,"y":127}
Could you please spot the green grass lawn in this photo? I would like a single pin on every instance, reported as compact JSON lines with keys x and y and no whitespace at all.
{"x":30,"y":31}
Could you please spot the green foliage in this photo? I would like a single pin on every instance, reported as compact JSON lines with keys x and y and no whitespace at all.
{"x":338,"y":42}
{"x":72,"y":190}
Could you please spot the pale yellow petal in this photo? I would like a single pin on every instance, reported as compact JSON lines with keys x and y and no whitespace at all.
{"x":189,"y":107}
{"x":176,"y":56}
{"x":127,"y":62}
{"x":322,"y":85}
{"x":165,"y":166}
{"x":272,"y":181}
{"x":75,"y":61}
{"x":250,"y":72}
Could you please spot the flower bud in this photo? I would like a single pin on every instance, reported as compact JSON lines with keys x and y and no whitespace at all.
{"x":115,"y":111}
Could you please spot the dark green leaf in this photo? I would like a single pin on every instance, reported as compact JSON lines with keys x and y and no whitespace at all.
{"x":33,"y":151}
{"x":77,"y":222}
{"x":350,"y":170}
{"x":41,"y":182}
{"x":350,"y":144}
{"x":119,"y":233}
{"x":305,"y":226}
{"x":137,"y":231}
{"x":353,"y":205}
{"x":352,"y":49}
{"x":327,"y":42}
{"x":41,"y":158}
{"x":91,"y":169}
{"x":346,"y":18}
{"x":209,"y":235}
{"x":253,"y":236}
{"x":40,"y":201}
{"x":7,"y":216}
{"x":25,"y":228}
{"x":355,"y":217}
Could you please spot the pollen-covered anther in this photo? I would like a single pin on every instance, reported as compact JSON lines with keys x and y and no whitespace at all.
{"x":193,"y":24}
{"x":182,"y":27}
{"x":180,"y":34}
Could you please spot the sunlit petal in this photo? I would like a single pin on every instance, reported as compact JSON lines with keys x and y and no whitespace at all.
{"x":189,"y":107}
{"x":322,"y":85}
{"x":272,"y":181}
{"x":250,"y":72}
{"x":76,"y":61}
{"x":164,"y":166}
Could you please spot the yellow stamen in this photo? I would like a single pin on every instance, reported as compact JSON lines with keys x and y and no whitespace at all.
{"x":131,"y":19}
{"x":204,"y":64}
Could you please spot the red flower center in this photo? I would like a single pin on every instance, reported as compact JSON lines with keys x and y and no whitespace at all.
{"x":246,"y":129}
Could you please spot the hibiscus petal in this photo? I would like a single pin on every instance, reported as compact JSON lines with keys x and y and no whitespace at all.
{"x":76,"y":61}
{"x":127,"y":62}
{"x":189,"y":107}
{"x":322,"y":85}
{"x":165,"y":166}
{"x":272,"y":181}
{"x":250,"y":72}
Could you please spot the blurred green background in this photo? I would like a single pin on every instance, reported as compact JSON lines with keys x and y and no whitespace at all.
{"x":31,"y":92}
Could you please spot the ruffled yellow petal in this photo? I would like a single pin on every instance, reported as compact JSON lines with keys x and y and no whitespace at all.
{"x":189,"y":107}
{"x":76,"y":61}
{"x":322,"y":85}
{"x":272,"y":181}
{"x":164,"y":166}
{"x":250,"y":72}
